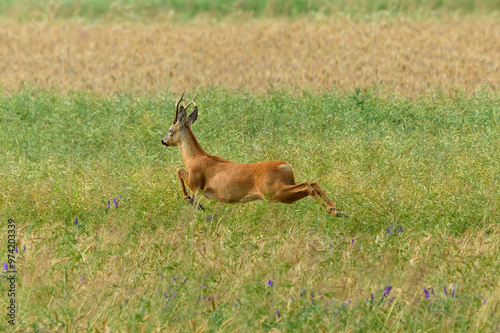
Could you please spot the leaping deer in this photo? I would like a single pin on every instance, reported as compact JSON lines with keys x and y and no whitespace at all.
{"x":231,"y":182}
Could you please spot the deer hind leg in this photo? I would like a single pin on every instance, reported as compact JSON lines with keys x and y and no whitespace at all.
{"x":290,"y":193}
{"x":330,"y":205}
{"x":183,"y":176}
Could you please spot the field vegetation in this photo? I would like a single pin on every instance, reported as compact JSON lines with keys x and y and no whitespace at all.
{"x":106,"y":240}
{"x":396,"y":116}
{"x":403,"y":57}
{"x":147,"y":10}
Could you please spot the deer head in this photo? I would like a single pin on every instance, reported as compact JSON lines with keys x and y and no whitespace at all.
{"x":178,"y":130}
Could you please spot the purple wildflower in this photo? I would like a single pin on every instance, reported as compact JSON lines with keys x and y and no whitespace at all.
{"x":116,"y":203}
{"x":302,"y":292}
{"x":426,"y":292}
{"x":453,"y":292}
{"x":278,"y":314}
{"x":24,"y":249}
{"x":81,"y":278}
{"x":394,"y":229}
{"x":126,"y":301}
{"x":270,"y":283}
{"x":5,"y":266}
{"x":165,"y":294}
{"x":15,"y":247}
{"x":109,"y":204}
{"x":387,"y":290}
{"x":445,"y":291}
{"x":484,"y":302}
{"x":185,"y":280}
{"x":76,"y":221}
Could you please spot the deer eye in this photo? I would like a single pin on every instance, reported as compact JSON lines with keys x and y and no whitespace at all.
{"x":169,"y":131}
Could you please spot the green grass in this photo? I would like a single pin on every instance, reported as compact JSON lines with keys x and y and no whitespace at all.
{"x":430,"y":165}
{"x":107,"y":10}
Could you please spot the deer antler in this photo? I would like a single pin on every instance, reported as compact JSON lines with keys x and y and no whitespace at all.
{"x":177,"y":106}
{"x":192,"y":102}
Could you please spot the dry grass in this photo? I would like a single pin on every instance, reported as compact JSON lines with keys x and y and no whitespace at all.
{"x":408,"y":57}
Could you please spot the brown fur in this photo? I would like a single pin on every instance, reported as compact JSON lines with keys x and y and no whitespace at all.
{"x":230,"y":182}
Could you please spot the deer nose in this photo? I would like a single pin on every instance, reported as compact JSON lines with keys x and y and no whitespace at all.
{"x":163,"y":143}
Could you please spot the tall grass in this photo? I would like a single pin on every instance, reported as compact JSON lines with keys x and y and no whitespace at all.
{"x":177,"y":9}
{"x":106,"y":241}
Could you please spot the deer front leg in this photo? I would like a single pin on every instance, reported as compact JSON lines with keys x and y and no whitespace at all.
{"x":183,"y":176}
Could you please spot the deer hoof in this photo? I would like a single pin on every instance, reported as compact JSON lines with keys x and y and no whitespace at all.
{"x":340,"y":213}
{"x":337,"y":213}
{"x":191,"y":201}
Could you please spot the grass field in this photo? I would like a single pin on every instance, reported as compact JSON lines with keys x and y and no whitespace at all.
{"x":392,"y":106}
{"x":429,"y":166}
{"x":147,"y":10}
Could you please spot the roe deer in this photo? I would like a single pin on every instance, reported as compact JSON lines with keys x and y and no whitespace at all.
{"x":231,"y":182}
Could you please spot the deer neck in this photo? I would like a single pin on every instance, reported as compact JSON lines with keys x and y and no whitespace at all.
{"x":189,"y":147}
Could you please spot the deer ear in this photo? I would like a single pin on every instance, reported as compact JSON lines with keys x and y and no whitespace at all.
{"x":193,"y":116}
{"x":181,"y":117}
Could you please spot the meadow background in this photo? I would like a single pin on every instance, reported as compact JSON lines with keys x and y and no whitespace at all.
{"x":392,"y":106}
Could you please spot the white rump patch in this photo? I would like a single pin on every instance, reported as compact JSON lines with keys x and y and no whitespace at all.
{"x":285,"y":166}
